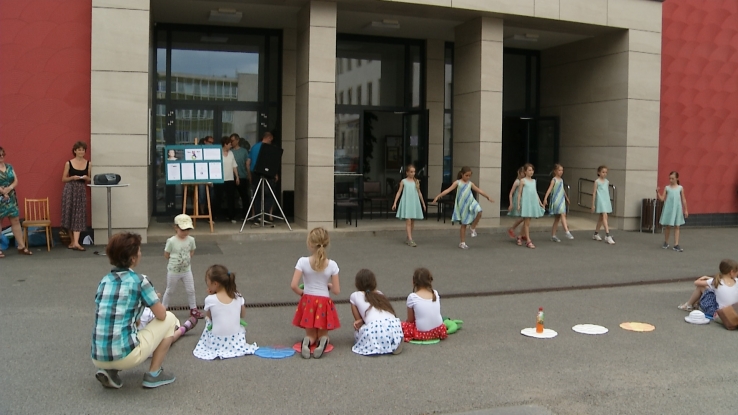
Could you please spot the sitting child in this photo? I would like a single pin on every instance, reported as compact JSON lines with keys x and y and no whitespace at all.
{"x":707,"y":288}
{"x":377,"y":330}
{"x":224,"y":335}
{"x":424,"y":321}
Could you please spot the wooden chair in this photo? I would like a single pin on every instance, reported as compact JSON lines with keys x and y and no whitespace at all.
{"x":37,"y":216}
{"x":373,"y":194}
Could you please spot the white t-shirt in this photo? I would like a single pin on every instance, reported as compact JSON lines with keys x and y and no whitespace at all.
{"x":316,"y":282}
{"x":427,"y":312}
{"x":359,"y":300}
{"x":146,"y":318}
{"x":229,"y":163}
{"x":179,"y":253}
{"x":725,"y":296}
{"x":226,"y":317}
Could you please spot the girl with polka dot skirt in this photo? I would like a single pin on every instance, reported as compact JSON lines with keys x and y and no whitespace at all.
{"x":377,"y":330}
{"x":424,"y":321}
{"x":316,"y":312}
{"x":224,"y":335}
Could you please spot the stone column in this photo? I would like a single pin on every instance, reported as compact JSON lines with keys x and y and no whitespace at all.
{"x":119,"y":111}
{"x":434,"y":93}
{"x":478,"y":107}
{"x":289,"y":46}
{"x":315,"y":114}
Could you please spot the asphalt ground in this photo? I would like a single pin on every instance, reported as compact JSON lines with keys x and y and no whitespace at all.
{"x":496,"y":287}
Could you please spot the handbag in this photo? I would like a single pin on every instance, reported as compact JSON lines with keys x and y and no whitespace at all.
{"x":729,"y":316}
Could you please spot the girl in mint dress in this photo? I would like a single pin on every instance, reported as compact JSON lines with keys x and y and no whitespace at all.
{"x":674,"y":211}
{"x":410,"y":204}
{"x":601,"y":204}
{"x":512,"y":209}
{"x":559,"y":202}
{"x":529,"y":204}
{"x":466,"y":209}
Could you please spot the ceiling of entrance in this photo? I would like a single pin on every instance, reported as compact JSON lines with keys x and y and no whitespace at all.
{"x":357,"y":16}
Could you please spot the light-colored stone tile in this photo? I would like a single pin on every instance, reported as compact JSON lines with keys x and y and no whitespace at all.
{"x":122,"y":4}
{"x":435,"y":122}
{"x":302,"y":57}
{"x":467,"y":68}
{"x":440,"y":3}
{"x":642,"y":158}
{"x":591,"y":157}
{"x":289,"y":72}
{"x":119,"y":102}
{"x":288,"y":117}
{"x":114,"y":149}
{"x":519,"y":7}
{"x":584,"y":11}
{"x":481,"y":28}
{"x":639,"y":185}
{"x":129,"y":205}
{"x":322,"y":55}
{"x":467,"y":117}
{"x":301,"y":194}
{"x":320,"y":152}
{"x":490,"y":122}
{"x":120,"y":40}
{"x":289,"y":148}
{"x":435,"y":81}
{"x":288,"y":176}
{"x":645,"y":76}
{"x":643,"y":41}
{"x":602,"y":45}
{"x":320,"y":196}
{"x":289,"y":39}
{"x":547,"y":9}
{"x":594,"y":124}
{"x":435,"y":49}
{"x":301,"y":111}
{"x":322,"y":13}
{"x":635,"y":14}
{"x":321,"y":109}
{"x":606,"y":78}
{"x":643,"y":123}
{"x":467,"y":154}
{"x":491,"y":71}
{"x":435,"y":155}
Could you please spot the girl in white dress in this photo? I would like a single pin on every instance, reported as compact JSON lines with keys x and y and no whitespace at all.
{"x":224,"y":335}
{"x":377,"y":329}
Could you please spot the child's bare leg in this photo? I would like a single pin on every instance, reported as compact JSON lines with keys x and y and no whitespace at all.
{"x":409,"y":229}
{"x":177,"y":334}
{"x":312,"y":334}
{"x":604,"y":222}
{"x":476,"y":220}
{"x":526,"y":228}
{"x":599,"y":223}
{"x":563,"y":222}
{"x":667,"y":231}
{"x":695,"y":297}
{"x":159,"y":354}
{"x":322,"y":332}
{"x":462,"y":233}
{"x":517,"y":223}
{"x":412,"y":227}
{"x":555,"y":226}
{"x":676,"y":235}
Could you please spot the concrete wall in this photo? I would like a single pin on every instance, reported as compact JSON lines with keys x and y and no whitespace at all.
{"x":119,"y":112}
{"x":606,"y":92}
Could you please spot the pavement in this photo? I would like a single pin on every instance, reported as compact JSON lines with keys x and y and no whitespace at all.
{"x":487,"y":368}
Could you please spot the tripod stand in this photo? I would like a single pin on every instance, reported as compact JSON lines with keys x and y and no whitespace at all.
{"x":264,"y":183}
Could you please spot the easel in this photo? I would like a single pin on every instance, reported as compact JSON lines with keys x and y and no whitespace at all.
{"x":196,"y":205}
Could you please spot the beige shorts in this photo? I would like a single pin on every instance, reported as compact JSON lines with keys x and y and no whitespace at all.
{"x":148,"y":340}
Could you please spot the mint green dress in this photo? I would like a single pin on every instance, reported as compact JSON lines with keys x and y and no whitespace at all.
{"x":466,"y":207}
{"x":602,"y":201}
{"x":409,"y":207}
{"x":530,"y":206}
{"x":513,"y":210}
{"x":557,"y":205}
{"x":672,"y":214}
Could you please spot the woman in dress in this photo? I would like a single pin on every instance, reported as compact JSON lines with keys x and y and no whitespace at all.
{"x":74,"y":196}
{"x":9,"y":203}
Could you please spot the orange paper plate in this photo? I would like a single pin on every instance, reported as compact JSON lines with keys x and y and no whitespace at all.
{"x":632,"y":326}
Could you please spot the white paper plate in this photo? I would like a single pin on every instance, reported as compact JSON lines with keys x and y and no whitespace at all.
{"x":531,"y":332}
{"x":590,"y":329}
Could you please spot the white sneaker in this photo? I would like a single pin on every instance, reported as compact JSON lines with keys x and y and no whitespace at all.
{"x":463,"y":246}
{"x":569,"y":235}
{"x":473,"y":233}
{"x":596,"y":237}
{"x":555,"y":239}
{"x":609,"y":240}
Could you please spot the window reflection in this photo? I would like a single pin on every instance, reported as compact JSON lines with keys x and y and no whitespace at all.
{"x":374,"y":73}
{"x":348,"y":133}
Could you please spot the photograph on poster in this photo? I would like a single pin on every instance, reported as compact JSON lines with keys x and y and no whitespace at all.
{"x":188,"y":171}
{"x":193,"y":154}
{"x":211,"y":153}
{"x":216,"y":171}
{"x":173,"y":172}
{"x":201,"y":171}
{"x":173,"y":155}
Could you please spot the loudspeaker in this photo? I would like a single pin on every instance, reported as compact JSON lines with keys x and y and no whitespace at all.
{"x":106,"y":179}
{"x":268,"y":160}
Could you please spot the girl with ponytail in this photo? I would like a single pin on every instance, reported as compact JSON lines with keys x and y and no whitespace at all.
{"x":316,"y":312}
{"x":225,"y":333}
{"x":377,"y":329}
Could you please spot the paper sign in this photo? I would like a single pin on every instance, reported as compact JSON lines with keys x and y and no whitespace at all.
{"x":193,"y":154}
{"x":201,"y":171}
{"x":173,"y":171}
{"x":211,"y":154}
{"x":188,"y":171}
{"x":216,"y":171}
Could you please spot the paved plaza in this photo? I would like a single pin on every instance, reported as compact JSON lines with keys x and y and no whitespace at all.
{"x":487,"y":367}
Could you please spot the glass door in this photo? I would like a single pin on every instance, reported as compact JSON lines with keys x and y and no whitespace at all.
{"x":415,"y":145}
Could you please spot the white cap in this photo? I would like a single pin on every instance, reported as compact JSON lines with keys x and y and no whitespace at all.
{"x":183,"y":221}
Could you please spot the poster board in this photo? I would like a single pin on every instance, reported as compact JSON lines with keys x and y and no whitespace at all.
{"x":186,"y":164}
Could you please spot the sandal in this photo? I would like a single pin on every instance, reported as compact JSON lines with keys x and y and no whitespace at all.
{"x":24,"y":251}
{"x":519,"y":242}
{"x":2,"y":255}
{"x":530,"y":245}
{"x":685,"y":307}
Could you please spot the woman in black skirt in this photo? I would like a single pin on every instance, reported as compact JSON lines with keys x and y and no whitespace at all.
{"x":74,"y":197}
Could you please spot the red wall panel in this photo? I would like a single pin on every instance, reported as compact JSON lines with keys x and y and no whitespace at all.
{"x":699,"y":102}
{"x":44,"y":91}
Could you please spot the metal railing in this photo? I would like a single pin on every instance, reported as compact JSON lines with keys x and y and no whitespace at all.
{"x":611,"y":190}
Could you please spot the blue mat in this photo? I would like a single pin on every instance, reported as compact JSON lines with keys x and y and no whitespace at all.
{"x":276,"y":352}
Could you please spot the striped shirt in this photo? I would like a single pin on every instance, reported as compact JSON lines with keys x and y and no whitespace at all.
{"x":120,"y":301}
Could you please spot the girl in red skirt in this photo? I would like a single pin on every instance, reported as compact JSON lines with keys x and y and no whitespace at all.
{"x":316,"y":312}
{"x":424,"y":321}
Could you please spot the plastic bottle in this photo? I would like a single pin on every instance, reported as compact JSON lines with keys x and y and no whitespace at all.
{"x":539,"y":320}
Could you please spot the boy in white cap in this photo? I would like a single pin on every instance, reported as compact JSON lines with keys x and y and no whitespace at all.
{"x":179,"y":250}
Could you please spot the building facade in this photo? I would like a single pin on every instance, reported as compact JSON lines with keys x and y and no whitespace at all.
{"x":356,"y":90}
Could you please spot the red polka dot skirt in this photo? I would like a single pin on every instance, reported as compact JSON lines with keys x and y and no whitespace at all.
{"x":411,"y":332}
{"x":315,"y":312}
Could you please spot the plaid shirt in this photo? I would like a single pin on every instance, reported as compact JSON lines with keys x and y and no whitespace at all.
{"x":120,"y":299}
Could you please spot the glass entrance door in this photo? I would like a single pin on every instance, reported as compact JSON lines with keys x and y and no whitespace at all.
{"x":415,"y":144}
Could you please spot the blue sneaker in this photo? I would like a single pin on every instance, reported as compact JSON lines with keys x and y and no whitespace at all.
{"x":163,"y":378}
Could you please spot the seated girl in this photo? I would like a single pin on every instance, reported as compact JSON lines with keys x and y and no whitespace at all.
{"x":377,"y":330}
{"x":715,"y":292}
{"x":424,"y":321}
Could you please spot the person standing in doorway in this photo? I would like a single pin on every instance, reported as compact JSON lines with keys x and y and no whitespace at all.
{"x":202,"y":197}
{"x":74,"y":196}
{"x":267,"y":138}
{"x":240,"y":154}
{"x":226,"y":191}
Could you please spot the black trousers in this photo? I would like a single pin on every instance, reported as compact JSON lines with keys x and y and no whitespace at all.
{"x":244,"y":193}
{"x":226,"y":192}
{"x":268,"y":199}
